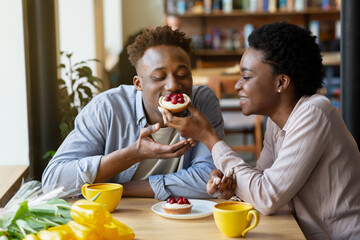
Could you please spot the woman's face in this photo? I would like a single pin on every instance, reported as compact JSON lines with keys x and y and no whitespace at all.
{"x":162,"y":70}
{"x":257,"y":87}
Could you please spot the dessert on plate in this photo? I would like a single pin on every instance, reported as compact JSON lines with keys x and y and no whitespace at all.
{"x":175,"y":102}
{"x":177,"y":206}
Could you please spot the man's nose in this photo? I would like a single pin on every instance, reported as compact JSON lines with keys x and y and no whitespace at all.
{"x":172,"y":84}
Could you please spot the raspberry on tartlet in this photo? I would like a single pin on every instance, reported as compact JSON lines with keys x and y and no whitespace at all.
{"x":177,"y":206}
{"x":175,"y":102}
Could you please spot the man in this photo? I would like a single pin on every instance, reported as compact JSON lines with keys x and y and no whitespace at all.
{"x":120,"y":135}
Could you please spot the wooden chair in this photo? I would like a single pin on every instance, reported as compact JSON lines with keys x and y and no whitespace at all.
{"x":234,"y":121}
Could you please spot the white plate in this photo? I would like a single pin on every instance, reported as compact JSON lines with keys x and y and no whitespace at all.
{"x":200,"y":209}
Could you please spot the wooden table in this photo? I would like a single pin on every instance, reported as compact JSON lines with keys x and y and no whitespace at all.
{"x":137,"y":214}
{"x":10,"y":179}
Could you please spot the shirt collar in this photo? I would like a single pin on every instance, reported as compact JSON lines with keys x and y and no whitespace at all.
{"x":301,"y":100}
{"x":140,"y":113}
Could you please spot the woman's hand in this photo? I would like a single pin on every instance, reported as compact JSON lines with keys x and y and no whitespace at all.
{"x":147,"y":148}
{"x":220,"y":185}
{"x":195,"y":126}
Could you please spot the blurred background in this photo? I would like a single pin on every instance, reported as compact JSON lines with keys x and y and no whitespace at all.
{"x":57,"y":54}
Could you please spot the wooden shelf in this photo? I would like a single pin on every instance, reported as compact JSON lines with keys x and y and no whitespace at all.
{"x":219,"y":52}
{"x":200,"y":25}
{"x":239,"y":13}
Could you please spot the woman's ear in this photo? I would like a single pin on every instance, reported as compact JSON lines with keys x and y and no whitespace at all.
{"x":137,"y":83}
{"x":283,"y":83}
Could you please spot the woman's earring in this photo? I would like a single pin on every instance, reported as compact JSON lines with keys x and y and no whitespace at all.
{"x":279,"y":90}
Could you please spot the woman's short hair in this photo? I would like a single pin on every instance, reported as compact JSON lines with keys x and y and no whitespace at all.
{"x":293,"y":51}
{"x":161,"y":35}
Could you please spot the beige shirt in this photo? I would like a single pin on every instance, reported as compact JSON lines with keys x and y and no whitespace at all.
{"x":312,"y":164}
{"x":156,"y":166}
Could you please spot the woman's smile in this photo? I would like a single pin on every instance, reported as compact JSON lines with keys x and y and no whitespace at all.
{"x":243,"y":100}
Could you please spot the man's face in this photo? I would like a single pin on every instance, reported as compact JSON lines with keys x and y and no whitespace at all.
{"x":162,"y":70}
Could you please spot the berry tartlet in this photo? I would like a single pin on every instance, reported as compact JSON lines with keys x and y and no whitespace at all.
{"x":177,"y":206}
{"x":175,"y":102}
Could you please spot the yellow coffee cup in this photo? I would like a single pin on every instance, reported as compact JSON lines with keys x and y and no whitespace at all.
{"x":110,"y":194}
{"x":234,"y":219}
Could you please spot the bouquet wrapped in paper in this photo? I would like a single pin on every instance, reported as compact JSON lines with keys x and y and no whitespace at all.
{"x":34,"y":214}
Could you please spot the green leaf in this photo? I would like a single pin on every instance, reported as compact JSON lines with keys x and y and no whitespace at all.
{"x":80,"y":97}
{"x":14,"y":233}
{"x":42,"y":209}
{"x":65,"y":213}
{"x":22,"y":211}
{"x":88,"y":91}
{"x":95,"y":60}
{"x":61,"y":81}
{"x":58,"y":220}
{"x":48,"y":154}
{"x":84,"y":71}
{"x":95,"y":197}
{"x":24,"y":226}
{"x":96,"y":79}
{"x":60,"y":203}
{"x":80,"y":63}
{"x":35,"y":223}
{"x":63,"y":126}
{"x":49,"y":221}
{"x":72,"y":97}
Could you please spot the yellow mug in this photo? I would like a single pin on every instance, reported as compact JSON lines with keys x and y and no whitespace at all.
{"x":110,"y":194}
{"x":233,"y":219}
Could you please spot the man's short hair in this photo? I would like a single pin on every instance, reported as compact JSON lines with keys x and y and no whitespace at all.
{"x":161,"y":35}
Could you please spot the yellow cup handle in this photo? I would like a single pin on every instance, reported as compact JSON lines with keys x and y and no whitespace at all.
{"x":83,"y":190}
{"x":252,"y":214}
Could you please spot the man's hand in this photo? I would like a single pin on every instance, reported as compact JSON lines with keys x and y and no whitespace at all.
{"x":220,"y":185}
{"x":147,"y":148}
{"x":144,"y":148}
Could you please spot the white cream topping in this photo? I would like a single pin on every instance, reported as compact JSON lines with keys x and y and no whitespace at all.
{"x":169,"y":105}
{"x":175,"y":205}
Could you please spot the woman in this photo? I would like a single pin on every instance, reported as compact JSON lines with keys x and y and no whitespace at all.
{"x":309,"y":160}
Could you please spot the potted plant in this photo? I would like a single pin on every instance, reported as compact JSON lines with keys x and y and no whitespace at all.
{"x":76,"y":89}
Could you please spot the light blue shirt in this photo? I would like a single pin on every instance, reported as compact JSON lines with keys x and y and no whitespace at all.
{"x":113,"y":120}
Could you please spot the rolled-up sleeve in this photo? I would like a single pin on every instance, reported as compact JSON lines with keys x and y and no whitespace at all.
{"x":77,"y":160}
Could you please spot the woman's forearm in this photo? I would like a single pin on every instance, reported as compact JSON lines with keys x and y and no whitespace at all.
{"x":210,"y":139}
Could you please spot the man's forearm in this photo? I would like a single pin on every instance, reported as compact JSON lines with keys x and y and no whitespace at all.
{"x":116,"y":162}
{"x":139,"y":188}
